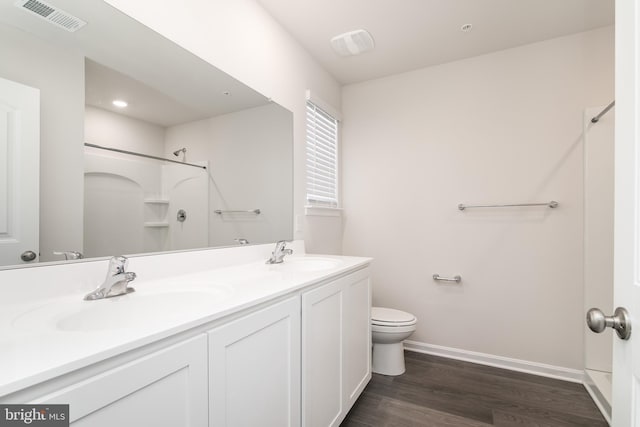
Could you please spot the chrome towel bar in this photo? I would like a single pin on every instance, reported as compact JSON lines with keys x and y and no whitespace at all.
{"x":456,"y":278}
{"x":251,"y":211}
{"x":552,"y":204}
{"x":603,"y":112}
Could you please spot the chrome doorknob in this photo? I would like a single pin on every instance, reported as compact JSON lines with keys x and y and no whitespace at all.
{"x":28,"y":256}
{"x":598,"y":322}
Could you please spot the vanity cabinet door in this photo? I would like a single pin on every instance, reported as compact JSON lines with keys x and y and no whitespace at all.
{"x":356,"y":335}
{"x":336,"y":348}
{"x":254,"y":366}
{"x":167,"y":388}
{"x":322,"y":400}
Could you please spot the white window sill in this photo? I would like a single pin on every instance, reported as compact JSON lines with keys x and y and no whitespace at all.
{"x":322,"y":211}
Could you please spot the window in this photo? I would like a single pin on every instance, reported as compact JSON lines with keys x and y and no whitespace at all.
{"x":322,"y":157}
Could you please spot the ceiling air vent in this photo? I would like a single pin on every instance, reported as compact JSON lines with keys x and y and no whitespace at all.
{"x":52,"y":14}
{"x":352,"y":43}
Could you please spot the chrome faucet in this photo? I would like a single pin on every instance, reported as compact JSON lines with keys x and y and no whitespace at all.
{"x":117,"y":280}
{"x":277,"y":256}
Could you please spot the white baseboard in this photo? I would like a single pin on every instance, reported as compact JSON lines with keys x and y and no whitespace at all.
{"x":535,"y":368}
{"x":599,"y":389}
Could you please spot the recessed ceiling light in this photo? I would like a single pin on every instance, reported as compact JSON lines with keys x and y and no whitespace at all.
{"x":120,"y":103}
{"x":466,"y":28}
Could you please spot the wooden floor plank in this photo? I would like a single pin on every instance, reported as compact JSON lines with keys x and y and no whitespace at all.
{"x":418,"y":358}
{"x":493,"y":389}
{"x":397,"y":413}
{"x":435,"y":396}
{"x":437,"y":391}
{"x":510,"y":419}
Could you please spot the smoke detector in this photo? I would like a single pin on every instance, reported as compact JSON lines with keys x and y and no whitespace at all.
{"x":51,"y":14}
{"x":352,"y":43}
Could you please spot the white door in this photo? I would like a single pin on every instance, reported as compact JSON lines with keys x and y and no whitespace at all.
{"x":19,"y":172}
{"x":626,"y":353}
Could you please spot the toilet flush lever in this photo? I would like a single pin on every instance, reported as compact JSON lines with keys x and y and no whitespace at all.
{"x":598,"y":322}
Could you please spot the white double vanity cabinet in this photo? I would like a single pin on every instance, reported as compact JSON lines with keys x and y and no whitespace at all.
{"x":281,"y":345}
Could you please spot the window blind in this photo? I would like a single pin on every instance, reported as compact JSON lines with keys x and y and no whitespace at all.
{"x":322,"y":157}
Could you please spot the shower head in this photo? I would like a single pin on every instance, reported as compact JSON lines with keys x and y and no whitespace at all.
{"x":177,"y":152}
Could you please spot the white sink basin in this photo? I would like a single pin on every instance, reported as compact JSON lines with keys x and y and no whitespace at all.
{"x":134,"y":310}
{"x":308,"y":264}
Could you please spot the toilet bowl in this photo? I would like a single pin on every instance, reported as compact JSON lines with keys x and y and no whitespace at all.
{"x":389,"y":328}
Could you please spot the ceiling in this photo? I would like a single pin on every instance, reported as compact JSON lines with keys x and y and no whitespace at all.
{"x":412,"y":34}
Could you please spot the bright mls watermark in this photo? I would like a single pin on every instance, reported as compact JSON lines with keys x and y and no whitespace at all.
{"x":34,"y":415}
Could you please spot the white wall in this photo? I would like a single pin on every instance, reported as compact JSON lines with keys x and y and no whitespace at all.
{"x":500,"y":128}
{"x":56,"y":72}
{"x":249,"y":155}
{"x":242,"y":39}
{"x":598,"y":233}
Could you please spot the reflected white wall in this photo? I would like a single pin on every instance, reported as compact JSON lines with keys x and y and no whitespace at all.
{"x":56,"y":72}
{"x":113,"y":130}
{"x":250,"y":160}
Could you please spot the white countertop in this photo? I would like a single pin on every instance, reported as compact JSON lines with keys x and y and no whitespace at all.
{"x":48,"y":337}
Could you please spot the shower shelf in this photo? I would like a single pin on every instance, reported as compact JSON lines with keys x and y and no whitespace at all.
{"x":156,"y":224}
{"x":157,"y":201}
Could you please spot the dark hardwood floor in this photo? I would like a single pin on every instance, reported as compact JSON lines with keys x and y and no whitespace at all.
{"x":439,"y":392}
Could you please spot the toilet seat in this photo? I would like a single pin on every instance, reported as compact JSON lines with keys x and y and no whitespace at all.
{"x":382,"y":316}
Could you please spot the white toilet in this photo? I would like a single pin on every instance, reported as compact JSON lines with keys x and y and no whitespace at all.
{"x":389,"y":328}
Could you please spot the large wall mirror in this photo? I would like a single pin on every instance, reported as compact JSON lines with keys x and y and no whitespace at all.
{"x":82,"y":175}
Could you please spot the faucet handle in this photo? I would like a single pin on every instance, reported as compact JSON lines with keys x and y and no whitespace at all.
{"x":279,"y":252}
{"x":118,"y":264}
{"x":281,"y":248}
